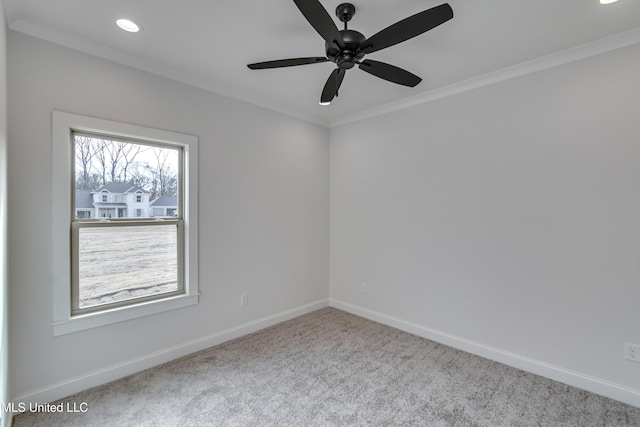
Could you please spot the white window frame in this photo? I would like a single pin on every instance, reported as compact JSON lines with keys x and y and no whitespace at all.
{"x":64,"y":124}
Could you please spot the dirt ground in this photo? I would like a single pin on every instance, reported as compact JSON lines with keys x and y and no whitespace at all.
{"x":119,"y":263}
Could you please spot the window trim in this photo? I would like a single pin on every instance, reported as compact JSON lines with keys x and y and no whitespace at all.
{"x":63,"y":124}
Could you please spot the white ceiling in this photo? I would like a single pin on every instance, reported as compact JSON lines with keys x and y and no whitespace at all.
{"x":208,"y":43}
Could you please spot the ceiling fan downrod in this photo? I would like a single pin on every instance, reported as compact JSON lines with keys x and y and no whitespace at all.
{"x":345,"y":12}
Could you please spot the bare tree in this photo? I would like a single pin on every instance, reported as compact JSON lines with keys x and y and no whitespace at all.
{"x":84,"y":152}
{"x":140,"y":177}
{"x":114,"y":154}
{"x":163,"y":179}
{"x":129,"y":154}
{"x":102,"y":159}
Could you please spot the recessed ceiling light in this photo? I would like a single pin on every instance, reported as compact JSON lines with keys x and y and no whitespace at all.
{"x":607,"y":1}
{"x":128,"y":25}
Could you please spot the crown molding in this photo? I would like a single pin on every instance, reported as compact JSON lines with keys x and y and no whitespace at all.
{"x":587,"y":50}
{"x":163,"y":70}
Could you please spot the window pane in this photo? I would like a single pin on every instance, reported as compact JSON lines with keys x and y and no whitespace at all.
{"x":119,"y":263}
{"x":123,"y":179}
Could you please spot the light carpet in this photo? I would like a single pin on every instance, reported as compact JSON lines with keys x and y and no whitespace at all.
{"x":331,"y":368}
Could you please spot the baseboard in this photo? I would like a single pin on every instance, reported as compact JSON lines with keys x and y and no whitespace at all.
{"x":576,"y":379}
{"x":63,"y":389}
{"x":66,"y":388}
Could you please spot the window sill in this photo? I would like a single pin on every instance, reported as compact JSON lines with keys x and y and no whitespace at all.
{"x":121,"y":314}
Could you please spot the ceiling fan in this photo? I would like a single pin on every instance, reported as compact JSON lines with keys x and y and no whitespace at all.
{"x":346,"y":48}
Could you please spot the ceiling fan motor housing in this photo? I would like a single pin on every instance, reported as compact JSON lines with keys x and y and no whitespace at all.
{"x":348,"y":56}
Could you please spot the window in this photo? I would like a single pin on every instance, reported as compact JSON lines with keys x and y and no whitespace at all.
{"x":118,"y":262}
{"x":123,"y":263}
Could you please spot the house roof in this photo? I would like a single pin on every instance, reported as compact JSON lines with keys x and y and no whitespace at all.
{"x":165,"y":201}
{"x":120,"y":187}
{"x":84,"y":199}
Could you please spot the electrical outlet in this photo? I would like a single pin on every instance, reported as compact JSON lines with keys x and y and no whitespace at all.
{"x":364,"y":288}
{"x":244,"y":299}
{"x":632,"y":352}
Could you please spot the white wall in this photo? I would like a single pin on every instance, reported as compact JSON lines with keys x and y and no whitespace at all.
{"x":503,"y":220}
{"x":4,"y":330}
{"x":264,"y":219}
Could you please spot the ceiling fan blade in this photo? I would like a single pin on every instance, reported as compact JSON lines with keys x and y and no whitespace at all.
{"x":390,"y":73}
{"x":320,"y":19}
{"x":340,"y":78}
{"x":287,"y":63}
{"x":332,"y":85}
{"x":408,"y":28}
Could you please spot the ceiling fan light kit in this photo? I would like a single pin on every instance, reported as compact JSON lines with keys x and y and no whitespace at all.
{"x":347,"y":48}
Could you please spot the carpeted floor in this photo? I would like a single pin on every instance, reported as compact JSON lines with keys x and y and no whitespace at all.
{"x":331,"y":368}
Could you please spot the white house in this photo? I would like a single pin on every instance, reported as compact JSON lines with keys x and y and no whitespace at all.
{"x":164,"y":206}
{"x":113,"y":200}
{"x":84,"y":207}
{"x":122,"y":200}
